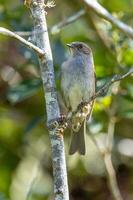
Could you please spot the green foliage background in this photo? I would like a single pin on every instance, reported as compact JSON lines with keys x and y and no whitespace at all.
{"x":25,"y":155}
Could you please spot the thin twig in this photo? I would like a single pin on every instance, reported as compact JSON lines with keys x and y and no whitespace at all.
{"x":104,"y":89}
{"x":103,"y":36}
{"x":110,"y":136}
{"x":7,"y":32}
{"x":112,"y":177}
{"x":111,"y":174}
{"x":57,"y":27}
{"x":24,"y":33}
{"x":100,"y":10}
{"x":106,"y":156}
{"x":107,"y":150}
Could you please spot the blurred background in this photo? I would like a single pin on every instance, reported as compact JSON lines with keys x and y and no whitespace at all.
{"x":25,"y":154}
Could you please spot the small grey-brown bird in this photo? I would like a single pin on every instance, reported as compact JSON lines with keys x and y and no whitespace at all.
{"x":78,"y":85}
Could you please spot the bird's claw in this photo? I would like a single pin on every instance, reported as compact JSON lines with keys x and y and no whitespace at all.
{"x":83,"y":106}
{"x":60,"y":129}
{"x":54,"y":123}
{"x":59,"y":124}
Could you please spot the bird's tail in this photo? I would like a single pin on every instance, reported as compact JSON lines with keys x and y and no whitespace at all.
{"x":78,"y":140}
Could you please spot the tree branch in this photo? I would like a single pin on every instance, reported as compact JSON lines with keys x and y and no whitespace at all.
{"x":97,"y":8}
{"x":103,"y":36}
{"x":107,"y":150}
{"x":103,"y":90}
{"x":112,"y":177}
{"x":52,"y":107}
{"x":7,"y":32}
{"x":111,"y":174}
{"x":57,"y":28}
{"x":106,"y":156}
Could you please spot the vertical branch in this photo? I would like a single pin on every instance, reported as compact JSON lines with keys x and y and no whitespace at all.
{"x":106,"y":152}
{"x":97,"y":8}
{"x":110,"y":136}
{"x":106,"y":155}
{"x":109,"y":145}
{"x":112,"y":177}
{"x":111,"y":174}
{"x":52,"y":107}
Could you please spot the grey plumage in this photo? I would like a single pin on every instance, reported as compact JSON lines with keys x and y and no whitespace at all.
{"x":78,"y":85}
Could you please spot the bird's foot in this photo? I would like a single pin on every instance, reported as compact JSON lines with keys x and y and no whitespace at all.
{"x":62,"y":119}
{"x":83,"y":106}
{"x":62,"y":125}
{"x":59,"y":124}
{"x":55,"y":123}
{"x":60,"y":130}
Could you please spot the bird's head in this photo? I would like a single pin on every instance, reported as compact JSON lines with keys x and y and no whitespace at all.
{"x":79,"y":48}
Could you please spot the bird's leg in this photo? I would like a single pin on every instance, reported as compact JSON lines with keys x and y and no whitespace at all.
{"x":55,"y":123}
{"x":84,"y":107}
{"x":61,"y":119}
{"x":62,"y":125}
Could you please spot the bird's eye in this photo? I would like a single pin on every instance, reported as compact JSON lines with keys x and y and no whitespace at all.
{"x":80,"y":46}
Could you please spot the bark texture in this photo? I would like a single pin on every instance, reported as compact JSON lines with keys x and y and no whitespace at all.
{"x":52,"y":107}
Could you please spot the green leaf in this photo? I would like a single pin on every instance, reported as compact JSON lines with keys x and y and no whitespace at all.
{"x":24,"y":90}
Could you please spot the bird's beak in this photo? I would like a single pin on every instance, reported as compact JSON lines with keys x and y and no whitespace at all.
{"x":69,"y":45}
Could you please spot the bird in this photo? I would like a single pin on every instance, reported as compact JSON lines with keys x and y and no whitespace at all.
{"x":78,"y":83}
